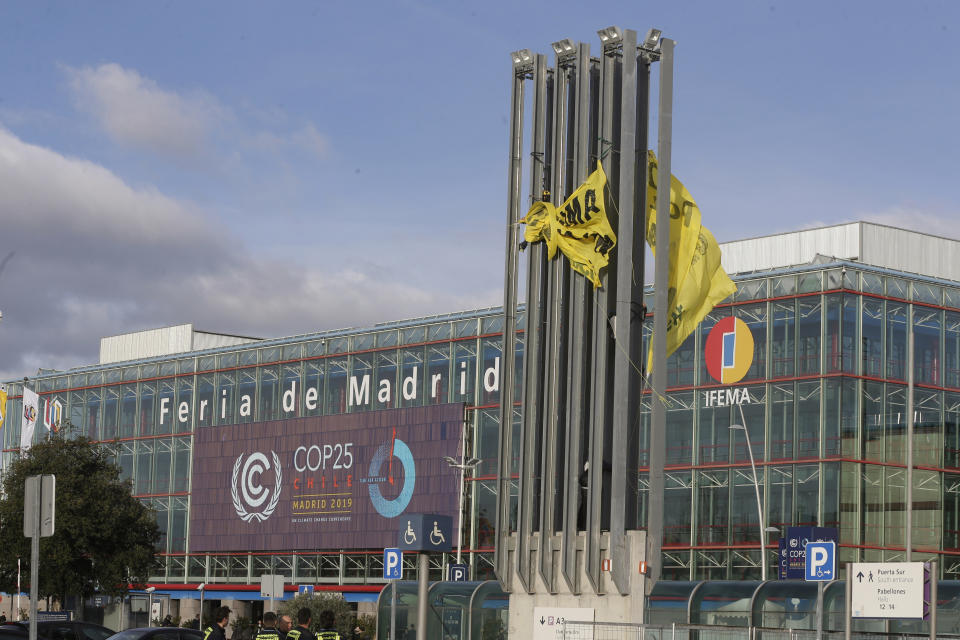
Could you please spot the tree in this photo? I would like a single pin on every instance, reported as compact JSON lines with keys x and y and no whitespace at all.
{"x":318,"y":602}
{"x":104,"y":540}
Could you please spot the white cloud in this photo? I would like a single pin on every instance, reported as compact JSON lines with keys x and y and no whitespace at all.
{"x":135,"y":111}
{"x":96,"y":257}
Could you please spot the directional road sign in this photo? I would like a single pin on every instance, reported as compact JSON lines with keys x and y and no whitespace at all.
{"x":392,"y":564}
{"x":821,"y":561}
{"x":887,"y":590}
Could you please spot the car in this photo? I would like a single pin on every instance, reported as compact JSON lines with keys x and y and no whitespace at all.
{"x":157,"y":633}
{"x":60,"y":630}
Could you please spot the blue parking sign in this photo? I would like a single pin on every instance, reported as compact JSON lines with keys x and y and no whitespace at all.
{"x":392,"y":564}
{"x":821,"y":561}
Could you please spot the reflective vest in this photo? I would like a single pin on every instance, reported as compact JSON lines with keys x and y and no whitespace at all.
{"x":268,"y":634}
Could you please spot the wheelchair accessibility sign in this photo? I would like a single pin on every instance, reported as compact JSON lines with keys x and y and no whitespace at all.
{"x":425,"y":532}
{"x":821,"y":562}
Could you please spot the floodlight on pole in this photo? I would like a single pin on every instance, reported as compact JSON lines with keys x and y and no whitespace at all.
{"x":651,"y":42}
{"x":756,"y":487}
{"x":610,"y":36}
{"x":565,"y":49}
{"x":521,"y":57}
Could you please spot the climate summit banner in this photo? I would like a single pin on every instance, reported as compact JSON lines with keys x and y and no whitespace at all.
{"x":323,"y":482}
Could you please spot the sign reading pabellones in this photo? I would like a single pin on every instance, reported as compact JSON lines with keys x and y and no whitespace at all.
{"x":323,"y":482}
{"x":886,"y":590}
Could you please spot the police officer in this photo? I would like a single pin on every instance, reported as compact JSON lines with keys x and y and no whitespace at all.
{"x":302,"y":630}
{"x":283,"y":625}
{"x":215,"y":631}
{"x":269,"y":631}
{"x":328,"y":630}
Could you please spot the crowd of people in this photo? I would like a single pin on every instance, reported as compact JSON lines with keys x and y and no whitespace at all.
{"x":281,"y":627}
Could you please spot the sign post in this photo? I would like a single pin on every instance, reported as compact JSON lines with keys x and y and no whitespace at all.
{"x":393,"y":570}
{"x":271,"y":586}
{"x":424,"y":532}
{"x":821,"y":566}
{"x":39,"y":502}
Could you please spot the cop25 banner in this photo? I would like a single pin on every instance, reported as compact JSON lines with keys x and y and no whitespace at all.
{"x":323,"y":482}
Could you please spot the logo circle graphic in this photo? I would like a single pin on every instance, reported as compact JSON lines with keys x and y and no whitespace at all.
{"x":729,"y":350}
{"x":247,"y":476}
{"x":393,"y":508}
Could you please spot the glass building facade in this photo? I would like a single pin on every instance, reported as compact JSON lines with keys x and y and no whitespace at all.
{"x":826,"y":421}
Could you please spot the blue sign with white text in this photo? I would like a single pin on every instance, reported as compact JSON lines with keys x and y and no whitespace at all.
{"x":392,"y":564}
{"x":457,"y":572}
{"x":821,"y":565}
{"x":796,"y":544}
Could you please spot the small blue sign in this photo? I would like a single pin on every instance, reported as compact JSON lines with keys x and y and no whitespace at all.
{"x":425,"y":532}
{"x":457,"y":572}
{"x":796,"y":544}
{"x":821,"y":561}
{"x":305,"y":588}
{"x":392,"y":564}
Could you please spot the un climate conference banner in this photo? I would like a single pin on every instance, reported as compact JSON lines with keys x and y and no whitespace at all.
{"x":323,"y":482}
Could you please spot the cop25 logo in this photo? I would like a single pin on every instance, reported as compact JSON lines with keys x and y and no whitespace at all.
{"x":246,"y":476}
{"x":385,"y":453}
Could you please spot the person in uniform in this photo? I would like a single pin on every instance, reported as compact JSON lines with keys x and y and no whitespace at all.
{"x":269,"y":631}
{"x":215,"y":631}
{"x":328,"y":629}
{"x":302,"y":630}
{"x":283,"y":625}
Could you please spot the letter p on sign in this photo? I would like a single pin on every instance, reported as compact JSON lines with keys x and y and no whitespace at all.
{"x":821,"y":561}
{"x":392,"y":564}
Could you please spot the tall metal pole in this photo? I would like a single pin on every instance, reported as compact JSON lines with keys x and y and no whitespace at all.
{"x":847,"y":609}
{"x":393,"y":609}
{"x":933,"y":599}
{"x":756,"y":488}
{"x":463,"y":464}
{"x":658,"y":428}
{"x":423,"y":575}
{"x":909,"y":481}
{"x":34,"y":564}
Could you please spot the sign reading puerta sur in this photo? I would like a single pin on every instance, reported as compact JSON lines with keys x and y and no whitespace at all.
{"x":323,"y":482}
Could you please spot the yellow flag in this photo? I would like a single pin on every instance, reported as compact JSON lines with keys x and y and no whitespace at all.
{"x":3,"y":405}
{"x":579,"y":228}
{"x":697,"y":281}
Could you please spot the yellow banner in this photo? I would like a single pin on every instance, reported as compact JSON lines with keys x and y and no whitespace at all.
{"x":579,"y":228}
{"x":3,"y":405}
{"x":697,"y":281}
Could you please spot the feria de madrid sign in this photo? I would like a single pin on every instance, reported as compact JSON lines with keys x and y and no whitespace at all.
{"x":323,"y":482}
{"x":728,"y":353}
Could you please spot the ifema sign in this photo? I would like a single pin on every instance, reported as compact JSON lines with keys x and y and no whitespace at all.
{"x":728,"y":354}
{"x":323,"y":482}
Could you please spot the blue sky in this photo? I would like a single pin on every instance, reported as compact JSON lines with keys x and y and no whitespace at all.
{"x":278,"y":168}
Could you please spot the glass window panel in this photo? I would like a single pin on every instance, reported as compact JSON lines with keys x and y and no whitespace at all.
{"x":783,"y":338}
{"x":873,"y":423}
{"x":226,"y":407}
{"x":270,"y":354}
{"x":182,"y":422}
{"x":751,"y":290}
{"x":150,"y":370}
{"x":714,"y":435}
{"x":831,"y":495}
{"x":336,"y":381}
{"x":363,"y":342}
{"x":779,"y":498}
{"x":113,"y":375}
{"x":951,"y":297}
{"x":925,"y":292}
{"x":491,"y":350}
{"x":807,"y":482}
{"x":467,"y":328}
{"x":744,"y":517}
{"x":951,"y":429}
{"x":486,"y":513}
{"x":895,"y":424}
{"x":873,"y":506}
{"x":808,"y":335}
{"x":713,"y":507}
{"x":491,"y":324}
{"x":291,"y":390}
{"x":248,"y":357}
{"x":360,"y":390}
{"x":755,"y":317}
{"x":810,"y":282}
{"x":705,"y":326}
{"x":388,"y":338}
{"x":896,"y":343}
{"x":871,"y":330}
{"x":142,"y":483}
{"x":871,"y":283}
{"x":130,"y":373}
{"x":207,"y":363}
{"x":438,"y":373}
{"x":92,"y":419}
{"x":753,"y":414}
{"x":438,"y":332}
{"x":166,"y":406}
{"x":128,"y":410}
{"x":387,"y":385}
{"x":337,"y":345}
{"x":833,"y":279}
{"x":148,"y":407}
{"x":681,"y":406}
{"x":313,"y":387}
{"x":160,"y":508}
{"x":465,"y":369}
{"x":951,"y":349}
{"x":186,"y":365}
{"x":111,"y":405}
{"x":269,"y":395}
{"x":413,"y":335}
{"x":181,"y":465}
{"x":898,"y":288}
{"x":677,"y":512}
{"x":808,"y":422}
{"x":412,"y":383}
{"x":681,"y":365}
{"x":77,"y":414}
{"x":228,"y":360}
{"x":926,"y":345}
{"x":125,"y":459}
{"x":951,"y":512}
{"x":315,"y":348}
{"x":162,"y":465}
{"x":177,"y":535}
{"x":783,"y":286}
{"x":206,"y":403}
{"x":782,"y":437}
{"x":293,"y":351}
{"x":246,"y":394}
{"x":928,"y":438}
{"x":841,"y":332}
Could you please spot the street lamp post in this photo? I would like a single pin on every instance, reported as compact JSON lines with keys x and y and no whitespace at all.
{"x":756,"y":487}
{"x":463,"y":465}
{"x":201,"y":587}
{"x":150,"y":591}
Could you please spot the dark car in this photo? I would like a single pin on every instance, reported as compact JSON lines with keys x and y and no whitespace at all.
{"x":57,"y":630}
{"x":158,"y":633}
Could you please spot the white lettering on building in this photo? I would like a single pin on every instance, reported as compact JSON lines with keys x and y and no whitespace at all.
{"x":726,"y":397}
